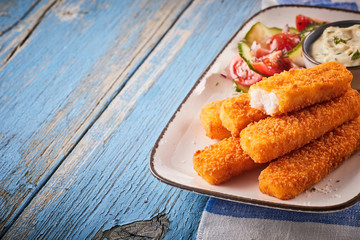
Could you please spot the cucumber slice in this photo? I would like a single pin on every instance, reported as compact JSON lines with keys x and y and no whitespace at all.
{"x":260,"y":33}
{"x":296,"y":56}
{"x":245,"y":53}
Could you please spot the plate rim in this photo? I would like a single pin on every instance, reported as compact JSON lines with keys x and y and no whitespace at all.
{"x":225,"y":196}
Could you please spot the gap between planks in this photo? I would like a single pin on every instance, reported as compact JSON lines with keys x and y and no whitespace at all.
{"x":29,"y":30}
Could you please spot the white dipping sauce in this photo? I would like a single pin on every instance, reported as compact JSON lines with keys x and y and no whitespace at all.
{"x":338,"y":44}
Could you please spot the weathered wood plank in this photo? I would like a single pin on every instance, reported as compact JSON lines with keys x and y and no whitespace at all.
{"x":61,"y":77}
{"x":19,"y":19}
{"x":104,"y":185}
{"x":13,"y":12}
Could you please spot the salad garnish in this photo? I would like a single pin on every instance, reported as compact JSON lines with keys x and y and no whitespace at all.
{"x":266,"y":51}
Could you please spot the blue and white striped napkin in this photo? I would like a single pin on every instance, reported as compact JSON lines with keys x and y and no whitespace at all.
{"x":229,"y":220}
{"x":223,"y":219}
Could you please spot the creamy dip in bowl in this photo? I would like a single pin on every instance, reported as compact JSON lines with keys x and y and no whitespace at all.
{"x":336,"y":41}
{"x":339,"y":44}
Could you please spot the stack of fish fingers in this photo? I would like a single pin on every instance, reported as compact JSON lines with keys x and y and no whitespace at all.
{"x":303,"y":127}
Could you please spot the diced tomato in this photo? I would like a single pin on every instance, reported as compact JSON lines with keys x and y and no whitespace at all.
{"x":241,"y":73}
{"x":273,"y":63}
{"x":302,"y":21}
{"x":283,"y":41}
{"x":260,"y":52}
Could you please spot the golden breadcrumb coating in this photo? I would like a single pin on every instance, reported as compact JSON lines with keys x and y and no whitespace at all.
{"x":299,"y":88}
{"x":275,"y":136}
{"x":210,"y":120}
{"x":221,"y":161}
{"x":236,"y":113}
{"x":294,"y":173}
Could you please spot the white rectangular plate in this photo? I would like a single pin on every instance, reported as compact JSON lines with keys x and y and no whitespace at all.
{"x":171,"y":158}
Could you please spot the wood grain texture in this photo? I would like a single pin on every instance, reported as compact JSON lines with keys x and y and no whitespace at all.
{"x":20,"y":21}
{"x":14,"y":12}
{"x":60,"y":78}
{"x":105,"y":181}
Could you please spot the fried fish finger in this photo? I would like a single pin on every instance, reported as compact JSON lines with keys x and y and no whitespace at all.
{"x":299,"y":88}
{"x":275,"y":136}
{"x":221,"y":161}
{"x":236,"y":113}
{"x":296,"y":172}
{"x":210,"y":120}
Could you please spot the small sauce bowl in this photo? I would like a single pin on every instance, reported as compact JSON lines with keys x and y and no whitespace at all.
{"x":314,"y":35}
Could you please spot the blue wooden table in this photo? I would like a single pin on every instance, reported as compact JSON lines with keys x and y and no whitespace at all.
{"x":86,"y":87}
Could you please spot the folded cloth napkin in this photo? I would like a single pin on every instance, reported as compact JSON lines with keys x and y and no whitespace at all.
{"x":223,"y":219}
{"x":229,"y":220}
